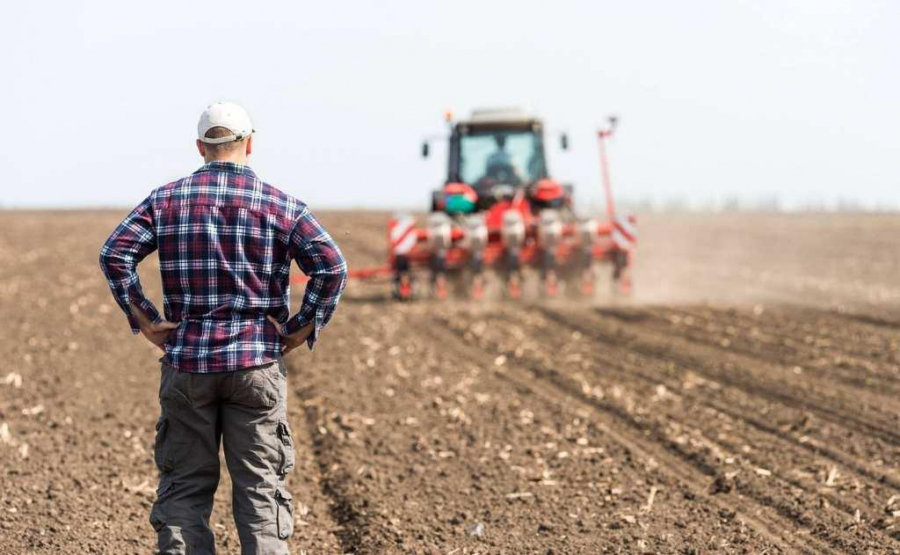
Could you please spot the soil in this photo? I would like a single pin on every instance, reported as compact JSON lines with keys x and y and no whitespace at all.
{"x":744,"y":400}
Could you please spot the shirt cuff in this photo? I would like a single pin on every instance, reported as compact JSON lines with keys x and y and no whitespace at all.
{"x":145,"y":305}
{"x":300,"y":320}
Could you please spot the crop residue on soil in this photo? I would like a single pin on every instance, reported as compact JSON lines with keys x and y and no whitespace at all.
{"x":744,"y":402}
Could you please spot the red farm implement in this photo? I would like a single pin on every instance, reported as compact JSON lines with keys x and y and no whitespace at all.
{"x":500,"y":217}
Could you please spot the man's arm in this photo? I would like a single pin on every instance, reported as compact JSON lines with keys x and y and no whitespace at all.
{"x":131,"y":241}
{"x":321,"y":260}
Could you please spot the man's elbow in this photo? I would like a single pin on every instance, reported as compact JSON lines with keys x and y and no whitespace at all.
{"x":108,"y":252}
{"x":105,"y":260}
{"x":111,"y":262}
{"x":335,"y":280}
{"x":344,"y":275}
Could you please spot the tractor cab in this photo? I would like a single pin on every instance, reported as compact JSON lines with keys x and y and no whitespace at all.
{"x":494,"y":156}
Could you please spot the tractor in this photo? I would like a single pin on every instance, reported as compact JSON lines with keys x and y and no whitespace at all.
{"x":500,"y":213}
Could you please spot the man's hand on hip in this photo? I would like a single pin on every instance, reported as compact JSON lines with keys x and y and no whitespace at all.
{"x":156,"y":333}
{"x":294,"y":340}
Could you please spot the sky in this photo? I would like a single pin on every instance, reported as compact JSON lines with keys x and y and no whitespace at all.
{"x":717,"y":99}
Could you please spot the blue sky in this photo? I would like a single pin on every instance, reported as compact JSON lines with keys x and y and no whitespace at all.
{"x":717,"y":99}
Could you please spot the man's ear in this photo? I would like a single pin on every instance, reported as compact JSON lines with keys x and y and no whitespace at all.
{"x":249,"y":145}
{"x":201,"y":146}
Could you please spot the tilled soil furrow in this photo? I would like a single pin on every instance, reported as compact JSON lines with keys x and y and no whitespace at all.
{"x":767,"y":516}
{"x":790,"y":420}
{"x":734,"y":370}
{"x":886,"y":323}
{"x":738,"y":448}
{"x":858,"y":359}
{"x":742,"y":406}
{"x":437,"y":452}
{"x":880,"y":381}
{"x":769,"y":526}
{"x":314,"y":526}
{"x":353,"y":529}
{"x":802,"y":324}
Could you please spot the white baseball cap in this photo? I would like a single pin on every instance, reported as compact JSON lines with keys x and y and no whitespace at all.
{"x":228,"y":115}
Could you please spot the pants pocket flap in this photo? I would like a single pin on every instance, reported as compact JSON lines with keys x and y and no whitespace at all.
{"x":287,"y":448}
{"x":285,"y":515}
{"x":160,"y":445}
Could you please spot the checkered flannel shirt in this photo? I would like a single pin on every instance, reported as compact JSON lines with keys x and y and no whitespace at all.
{"x":225,"y":240}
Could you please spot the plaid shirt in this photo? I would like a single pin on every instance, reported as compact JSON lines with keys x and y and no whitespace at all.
{"x":225,"y":241}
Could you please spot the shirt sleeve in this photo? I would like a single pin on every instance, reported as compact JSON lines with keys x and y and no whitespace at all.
{"x":319,"y":257}
{"x":131,"y":241}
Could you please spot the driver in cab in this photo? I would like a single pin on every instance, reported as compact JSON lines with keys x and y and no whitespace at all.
{"x":499,"y":165}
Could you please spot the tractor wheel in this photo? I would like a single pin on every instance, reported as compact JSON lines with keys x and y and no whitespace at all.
{"x":621,"y":278}
{"x":514,"y":286}
{"x":402,"y":282}
{"x":402,"y":289}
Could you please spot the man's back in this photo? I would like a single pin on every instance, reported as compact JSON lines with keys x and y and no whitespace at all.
{"x":226,"y":240}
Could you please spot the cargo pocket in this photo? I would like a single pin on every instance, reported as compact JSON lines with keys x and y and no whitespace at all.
{"x":161,"y":451}
{"x":287,"y":448}
{"x":285,"y":515}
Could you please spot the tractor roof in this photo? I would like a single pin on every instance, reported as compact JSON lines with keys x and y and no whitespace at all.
{"x":499,"y":118}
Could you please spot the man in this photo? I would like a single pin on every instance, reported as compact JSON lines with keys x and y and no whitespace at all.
{"x":500,"y":165}
{"x":225,"y":240}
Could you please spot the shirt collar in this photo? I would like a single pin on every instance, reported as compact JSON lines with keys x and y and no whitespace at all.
{"x":230,"y":167}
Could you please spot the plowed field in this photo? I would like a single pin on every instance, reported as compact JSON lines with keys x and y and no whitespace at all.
{"x":745,"y":400}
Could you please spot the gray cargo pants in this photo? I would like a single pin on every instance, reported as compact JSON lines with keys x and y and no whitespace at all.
{"x":245,"y":410}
